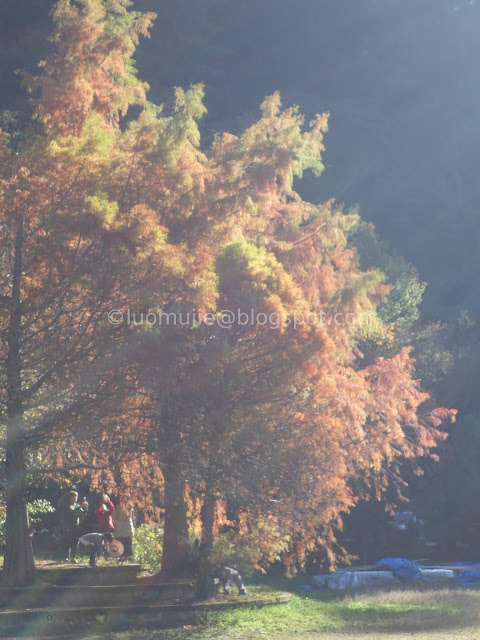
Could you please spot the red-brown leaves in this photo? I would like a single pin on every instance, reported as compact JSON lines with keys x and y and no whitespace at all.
{"x":91,"y":68}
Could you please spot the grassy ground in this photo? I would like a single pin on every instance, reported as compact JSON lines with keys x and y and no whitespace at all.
{"x":401,"y":614}
{"x":433,"y":614}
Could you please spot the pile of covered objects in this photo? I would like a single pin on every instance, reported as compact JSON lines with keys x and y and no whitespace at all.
{"x":398,"y":571}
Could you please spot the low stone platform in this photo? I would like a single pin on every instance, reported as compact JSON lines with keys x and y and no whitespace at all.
{"x":67,"y":621}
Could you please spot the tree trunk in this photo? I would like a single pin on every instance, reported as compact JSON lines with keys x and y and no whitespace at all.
{"x":205,"y":585}
{"x":19,"y":563}
{"x":176,"y":544}
{"x":208,"y":520}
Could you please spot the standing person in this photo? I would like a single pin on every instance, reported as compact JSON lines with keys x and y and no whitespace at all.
{"x":124,"y":526}
{"x":72,"y":514}
{"x":104,"y":513}
{"x":95,"y":543}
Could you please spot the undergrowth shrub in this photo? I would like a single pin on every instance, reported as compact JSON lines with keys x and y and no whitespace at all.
{"x":147,"y":546}
{"x":36,"y":510}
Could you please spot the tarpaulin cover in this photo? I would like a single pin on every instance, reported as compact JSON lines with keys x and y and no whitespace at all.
{"x":401,"y":568}
{"x":467,"y":578}
{"x":408,"y":570}
{"x":344,"y":580}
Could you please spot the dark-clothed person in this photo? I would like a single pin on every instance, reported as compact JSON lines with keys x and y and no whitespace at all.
{"x":71,"y":514}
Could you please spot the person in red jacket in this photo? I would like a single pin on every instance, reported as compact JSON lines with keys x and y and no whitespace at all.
{"x":104,"y":513}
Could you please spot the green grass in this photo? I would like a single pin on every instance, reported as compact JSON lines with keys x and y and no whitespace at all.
{"x":423,"y":613}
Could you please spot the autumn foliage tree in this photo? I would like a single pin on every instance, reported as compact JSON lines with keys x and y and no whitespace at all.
{"x":275,"y":415}
{"x":72,"y":248}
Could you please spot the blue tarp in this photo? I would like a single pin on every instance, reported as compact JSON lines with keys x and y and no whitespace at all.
{"x":467,"y":578}
{"x":401,"y":568}
{"x":409,"y":570}
{"x":344,"y":580}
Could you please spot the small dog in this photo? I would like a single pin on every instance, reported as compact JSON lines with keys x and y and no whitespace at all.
{"x":225,"y":575}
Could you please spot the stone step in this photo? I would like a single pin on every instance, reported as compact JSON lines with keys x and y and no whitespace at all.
{"x":48,"y":595}
{"x":59,"y":621}
{"x":83,"y":575}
